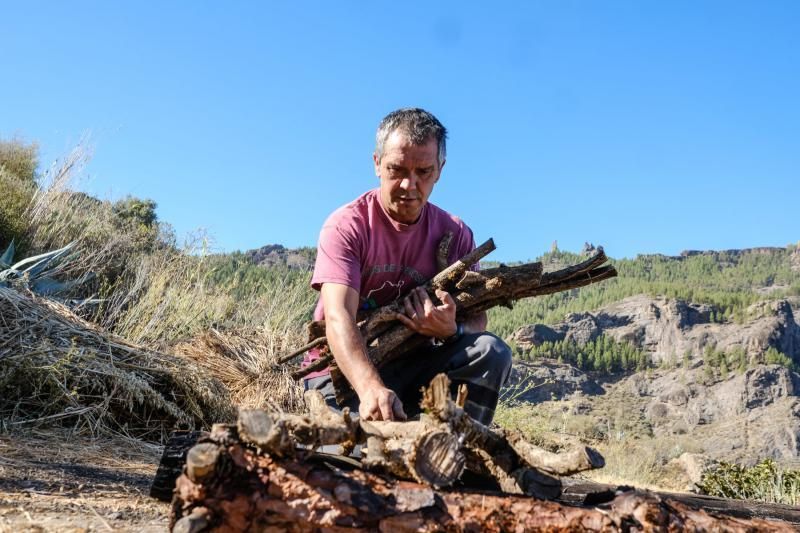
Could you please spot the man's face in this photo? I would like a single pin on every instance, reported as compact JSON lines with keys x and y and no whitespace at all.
{"x":407,"y":173}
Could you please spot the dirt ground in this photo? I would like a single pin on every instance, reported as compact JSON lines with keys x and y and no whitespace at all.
{"x":54,"y":481}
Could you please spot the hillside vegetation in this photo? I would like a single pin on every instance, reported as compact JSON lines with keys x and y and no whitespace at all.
{"x":729,"y":281}
{"x":143,"y":295}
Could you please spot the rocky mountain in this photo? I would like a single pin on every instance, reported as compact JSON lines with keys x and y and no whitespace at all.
{"x":273,"y":255}
{"x":669,"y":328}
{"x":742,"y":415}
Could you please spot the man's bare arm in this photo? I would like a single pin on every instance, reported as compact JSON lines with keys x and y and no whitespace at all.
{"x":377,"y":402}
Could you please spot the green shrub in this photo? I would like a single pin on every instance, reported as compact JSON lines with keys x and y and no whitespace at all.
{"x":18,"y":162}
{"x":19,"y":159}
{"x":764,"y":482}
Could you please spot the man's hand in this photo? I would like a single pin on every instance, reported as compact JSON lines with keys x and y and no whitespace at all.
{"x":427,"y":318}
{"x":380,"y":403}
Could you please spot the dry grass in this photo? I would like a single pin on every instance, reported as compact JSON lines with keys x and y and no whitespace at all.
{"x":115,"y":374}
{"x":56,"y":367}
{"x":644,"y":462}
{"x":246,"y":363}
{"x":633,"y":456}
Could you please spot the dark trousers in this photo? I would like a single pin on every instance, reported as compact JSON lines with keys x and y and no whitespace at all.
{"x":482,"y":361}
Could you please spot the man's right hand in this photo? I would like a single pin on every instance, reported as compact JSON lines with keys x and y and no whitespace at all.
{"x":380,"y":403}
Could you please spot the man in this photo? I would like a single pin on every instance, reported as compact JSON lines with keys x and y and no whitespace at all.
{"x":383,"y":246}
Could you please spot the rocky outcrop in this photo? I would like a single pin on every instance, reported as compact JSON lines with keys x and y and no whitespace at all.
{"x":747,"y":416}
{"x":543,"y":381}
{"x":669,"y":328}
{"x":734,"y":253}
{"x":273,"y":255}
{"x":742,"y":418}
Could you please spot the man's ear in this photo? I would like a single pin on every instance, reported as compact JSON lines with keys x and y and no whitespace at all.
{"x":440,"y":170}
{"x":377,"y":161}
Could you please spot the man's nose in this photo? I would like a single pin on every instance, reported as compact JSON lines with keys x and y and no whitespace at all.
{"x":409,"y":183}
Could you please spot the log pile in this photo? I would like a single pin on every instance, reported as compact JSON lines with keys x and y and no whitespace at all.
{"x":262,"y":474}
{"x":474,"y":292}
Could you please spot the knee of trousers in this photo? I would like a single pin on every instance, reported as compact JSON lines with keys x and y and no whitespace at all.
{"x":495,"y":354}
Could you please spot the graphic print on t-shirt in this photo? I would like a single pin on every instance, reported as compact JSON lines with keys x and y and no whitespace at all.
{"x":385,"y":293}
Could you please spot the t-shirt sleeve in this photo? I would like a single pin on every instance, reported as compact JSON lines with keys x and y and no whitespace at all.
{"x":338,"y":253}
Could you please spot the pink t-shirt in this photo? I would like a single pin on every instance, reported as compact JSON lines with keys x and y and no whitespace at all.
{"x":361,"y":246}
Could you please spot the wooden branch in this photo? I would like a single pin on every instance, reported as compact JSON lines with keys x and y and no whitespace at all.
{"x":319,"y":341}
{"x":201,"y":461}
{"x":320,"y":364}
{"x":443,"y":251}
{"x":442,"y":280}
{"x":474,"y":292}
{"x":493,"y":287}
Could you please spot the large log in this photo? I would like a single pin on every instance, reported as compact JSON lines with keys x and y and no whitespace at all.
{"x":258,"y":492}
{"x":203,"y":507}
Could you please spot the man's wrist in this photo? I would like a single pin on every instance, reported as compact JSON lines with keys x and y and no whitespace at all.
{"x":455,"y":337}
{"x":371,"y":383}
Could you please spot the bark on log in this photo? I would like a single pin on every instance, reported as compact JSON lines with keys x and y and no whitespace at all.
{"x":304,"y":495}
{"x":252,"y":476}
{"x":433,"y":450}
{"x":263,"y":493}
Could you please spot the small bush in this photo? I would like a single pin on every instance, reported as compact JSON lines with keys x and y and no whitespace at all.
{"x":764,"y":482}
{"x":19,"y":159}
{"x":18,"y":162}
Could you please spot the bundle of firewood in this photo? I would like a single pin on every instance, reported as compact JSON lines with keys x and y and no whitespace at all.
{"x":474,"y":292}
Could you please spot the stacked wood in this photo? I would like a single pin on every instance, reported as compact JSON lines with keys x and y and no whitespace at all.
{"x":474,"y":292}
{"x":247,"y":490}
{"x":263,"y":474}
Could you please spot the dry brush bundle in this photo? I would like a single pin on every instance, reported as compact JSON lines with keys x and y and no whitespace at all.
{"x":56,"y":367}
{"x":246,"y":362}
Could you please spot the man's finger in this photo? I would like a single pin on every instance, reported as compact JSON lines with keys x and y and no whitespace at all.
{"x":370,"y":414}
{"x":426,"y":301}
{"x":445,"y":297}
{"x":399,"y":413}
{"x":410,"y":311}
{"x":407,"y":322}
{"x":419,"y":309}
{"x":386,"y":408}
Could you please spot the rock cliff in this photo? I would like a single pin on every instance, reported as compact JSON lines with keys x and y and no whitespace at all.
{"x":742,"y":416}
{"x":668,"y":328}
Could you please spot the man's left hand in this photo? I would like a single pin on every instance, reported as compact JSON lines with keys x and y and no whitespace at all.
{"x":427,"y":318}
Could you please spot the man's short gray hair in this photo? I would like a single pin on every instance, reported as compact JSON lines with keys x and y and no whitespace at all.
{"x":418,"y":124}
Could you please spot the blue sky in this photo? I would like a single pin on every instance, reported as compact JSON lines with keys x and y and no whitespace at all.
{"x":643,"y":126}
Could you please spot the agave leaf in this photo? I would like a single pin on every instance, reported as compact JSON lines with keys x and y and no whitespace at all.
{"x":85,"y":302}
{"x":9,"y":274}
{"x":40,"y":262}
{"x":49,"y":286}
{"x":8,"y":256}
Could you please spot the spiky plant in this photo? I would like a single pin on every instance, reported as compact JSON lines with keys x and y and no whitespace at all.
{"x":35,"y":273}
